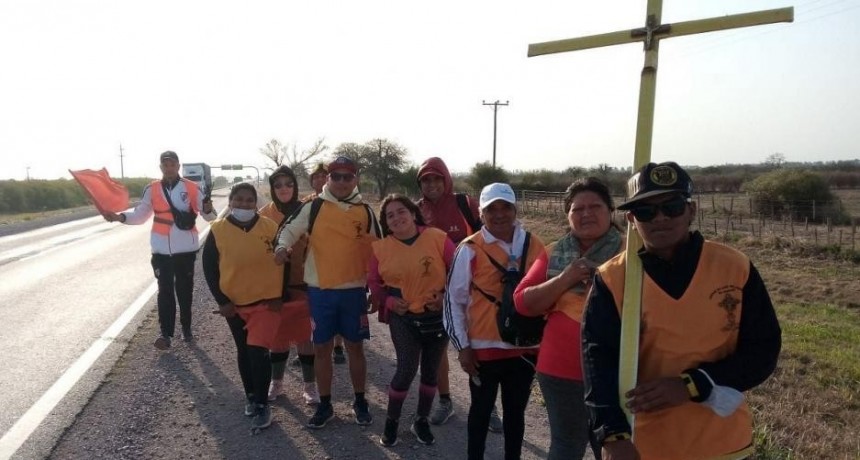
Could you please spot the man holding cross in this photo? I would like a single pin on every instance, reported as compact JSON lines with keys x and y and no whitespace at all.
{"x":709,"y":333}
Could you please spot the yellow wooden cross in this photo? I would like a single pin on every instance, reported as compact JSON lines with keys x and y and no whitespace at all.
{"x":650,"y":35}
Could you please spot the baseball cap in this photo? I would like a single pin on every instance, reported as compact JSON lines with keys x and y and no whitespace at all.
{"x":343,"y":163}
{"x":168,"y":155}
{"x":496,"y":191}
{"x":656,"y":179}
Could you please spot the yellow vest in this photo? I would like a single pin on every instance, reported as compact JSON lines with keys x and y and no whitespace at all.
{"x":701,"y":326}
{"x":297,"y":257}
{"x":418,"y":270}
{"x":481,"y":313}
{"x":246,"y":261}
{"x":341,"y":245}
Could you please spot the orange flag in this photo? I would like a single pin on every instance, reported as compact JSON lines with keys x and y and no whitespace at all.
{"x":107,"y":194}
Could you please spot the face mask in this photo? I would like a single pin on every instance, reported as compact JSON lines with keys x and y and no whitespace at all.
{"x":243,"y":215}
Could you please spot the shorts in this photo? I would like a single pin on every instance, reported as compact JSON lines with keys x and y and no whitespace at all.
{"x":339,"y":311}
{"x":261,"y":324}
{"x":295,"y":322}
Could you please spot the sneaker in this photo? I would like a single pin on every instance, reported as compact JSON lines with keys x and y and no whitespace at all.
{"x":162,"y":343}
{"x":443,"y":411}
{"x":362,"y":412}
{"x":421,"y":430}
{"x":496,"y":425}
{"x":311,"y":394}
{"x":389,"y":436}
{"x":262,"y":417}
{"x":250,"y":407}
{"x":322,"y":416}
{"x":339,"y":357}
{"x":276,"y":388}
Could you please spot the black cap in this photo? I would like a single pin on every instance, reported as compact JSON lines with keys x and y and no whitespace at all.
{"x":169,"y":155}
{"x":655,"y":179}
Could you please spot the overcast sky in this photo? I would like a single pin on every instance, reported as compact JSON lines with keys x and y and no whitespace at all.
{"x":214,"y":81}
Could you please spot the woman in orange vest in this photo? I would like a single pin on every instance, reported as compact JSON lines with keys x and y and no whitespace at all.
{"x":295,"y":316}
{"x":470,"y":320}
{"x":556,"y":286}
{"x":406,"y":276}
{"x":249,"y":288}
{"x":708,"y":333}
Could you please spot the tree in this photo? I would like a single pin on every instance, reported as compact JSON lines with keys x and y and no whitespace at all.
{"x":298,"y":161}
{"x":275,"y":151}
{"x":797,"y":192}
{"x":775,"y":160}
{"x":381,"y":160}
{"x":483,"y":174}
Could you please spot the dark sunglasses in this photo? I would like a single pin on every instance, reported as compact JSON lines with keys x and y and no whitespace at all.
{"x":671,"y":209}
{"x":341,"y":177}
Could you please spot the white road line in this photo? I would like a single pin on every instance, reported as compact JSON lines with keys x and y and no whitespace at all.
{"x":13,"y":439}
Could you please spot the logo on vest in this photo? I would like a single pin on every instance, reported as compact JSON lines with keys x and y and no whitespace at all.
{"x":268,"y":244}
{"x":357,"y":226}
{"x":426,"y":261}
{"x":183,"y":196}
{"x":729,"y":299}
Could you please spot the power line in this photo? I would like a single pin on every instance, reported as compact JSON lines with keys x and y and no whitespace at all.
{"x":495,"y":119}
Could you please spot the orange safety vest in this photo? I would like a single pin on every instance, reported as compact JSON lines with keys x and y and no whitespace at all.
{"x":163,"y":220}
{"x":679,"y":334}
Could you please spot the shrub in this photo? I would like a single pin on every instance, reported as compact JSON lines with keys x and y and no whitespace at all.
{"x":795,"y":194}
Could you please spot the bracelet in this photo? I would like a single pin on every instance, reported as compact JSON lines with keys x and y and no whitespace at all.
{"x":691,"y":386}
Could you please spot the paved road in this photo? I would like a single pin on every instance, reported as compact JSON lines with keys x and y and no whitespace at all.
{"x":62,"y":287}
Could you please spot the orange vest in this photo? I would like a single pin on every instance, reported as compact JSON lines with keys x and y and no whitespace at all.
{"x":297,"y":259}
{"x":341,"y":245}
{"x":163,"y":220}
{"x":701,"y":326}
{"x":246,"y":261}
{"x":481,"y":312}
{"x":418,"y":270}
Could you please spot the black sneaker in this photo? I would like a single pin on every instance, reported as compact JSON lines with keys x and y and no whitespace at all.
{"x":262,"y":417}
{"x":421,"y":430}
{"x":162,"y":343}
{"x":339,"y":357}
{"x":187,"y":335}
{"x":362,"y":412}
{"x":250,"y":407}
{"x":389,"y":436}
{"x":324,"y":413}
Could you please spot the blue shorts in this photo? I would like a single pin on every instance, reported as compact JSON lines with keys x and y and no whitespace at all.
{"x":338,"y":311}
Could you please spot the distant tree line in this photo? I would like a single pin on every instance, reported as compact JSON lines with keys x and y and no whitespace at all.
{"x":47,"y":195}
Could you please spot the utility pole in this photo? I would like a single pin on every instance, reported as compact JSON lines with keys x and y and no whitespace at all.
{"x":121,"y":166}
{"x":28,"y":174}
{"x":495,"y":120}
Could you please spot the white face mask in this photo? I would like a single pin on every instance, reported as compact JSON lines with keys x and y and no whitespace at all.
{"x":243,"y":215}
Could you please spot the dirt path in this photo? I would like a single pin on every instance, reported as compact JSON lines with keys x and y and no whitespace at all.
{"x":188,"y":403}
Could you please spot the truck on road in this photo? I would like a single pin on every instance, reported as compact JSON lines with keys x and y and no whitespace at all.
{"x":201,"y":174}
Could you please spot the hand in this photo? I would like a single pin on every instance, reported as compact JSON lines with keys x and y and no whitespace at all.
{"x":207,"y":207}
{"x":228,"y":310}
{"x":579,"y":271}
{"x":468,"y":361}
{"x":658,"y":394}
{"x":620,"y":450}
{"x":282,"y":255}
{"x":397,"y":305}
{"x":112,"y":217}
{"x":434,"y":303}
{"x":274,"y":305}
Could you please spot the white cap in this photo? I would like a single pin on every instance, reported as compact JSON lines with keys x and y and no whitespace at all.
{"x":497,"y":191}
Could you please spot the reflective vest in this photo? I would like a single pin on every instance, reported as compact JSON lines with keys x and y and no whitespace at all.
{"x":163,"y":220}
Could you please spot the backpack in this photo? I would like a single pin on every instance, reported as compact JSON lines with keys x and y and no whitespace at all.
{"x":463,"y":204}
{"x":514,"y":328}
{"x":317,"y":203}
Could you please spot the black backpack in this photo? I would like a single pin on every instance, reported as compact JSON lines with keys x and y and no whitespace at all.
{"x":514,"y":328}
{"x":466,"y":211}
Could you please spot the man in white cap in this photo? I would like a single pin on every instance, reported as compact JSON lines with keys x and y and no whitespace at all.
{"x":475,"y":292}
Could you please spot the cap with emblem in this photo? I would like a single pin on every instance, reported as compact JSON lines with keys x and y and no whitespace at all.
{"x":169,"y":155}
{"x":343,"y":163}
{"x":655,"y":179}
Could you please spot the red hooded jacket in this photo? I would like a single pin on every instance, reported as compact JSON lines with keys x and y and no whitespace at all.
{"x":444,"y":213}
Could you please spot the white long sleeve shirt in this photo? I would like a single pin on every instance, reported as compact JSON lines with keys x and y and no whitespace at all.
{"x":177,"y":241}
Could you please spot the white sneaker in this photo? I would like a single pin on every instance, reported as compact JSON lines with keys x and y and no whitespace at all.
{"x":276,"y":389}
{"x":311,"y":394}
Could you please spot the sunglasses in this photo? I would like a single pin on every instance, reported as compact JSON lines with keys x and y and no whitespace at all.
{"x":341,"y":177}
{"x":284,"y":184}
{"x":671,"y":209}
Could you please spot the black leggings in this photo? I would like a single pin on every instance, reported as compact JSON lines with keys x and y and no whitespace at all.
{"x":175,"y":275}
{"x":412,"y":349}
{"x":515,"y":376}
{"x":255,"y":367}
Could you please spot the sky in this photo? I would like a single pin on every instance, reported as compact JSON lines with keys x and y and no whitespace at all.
{"x":214,"y":81}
